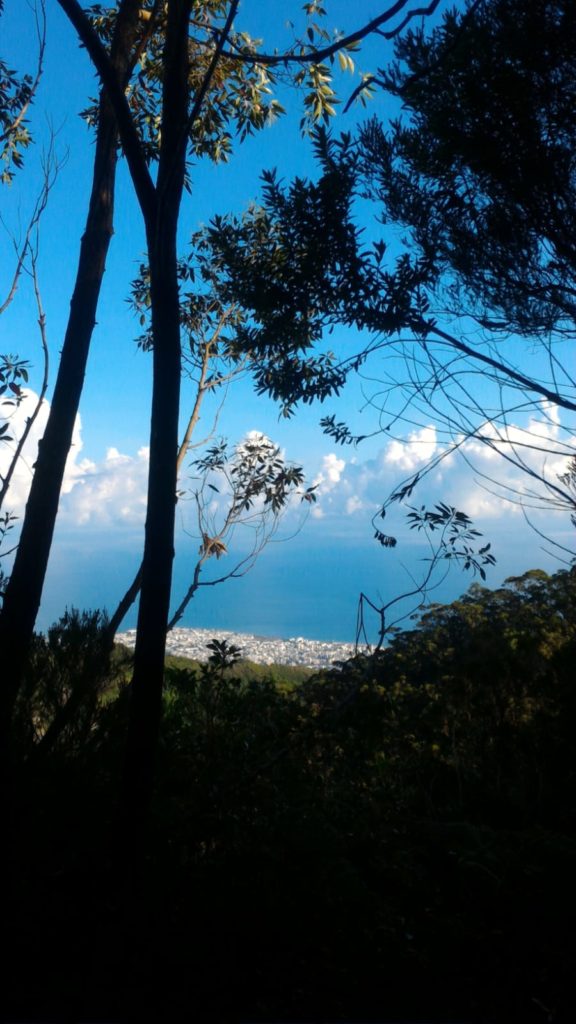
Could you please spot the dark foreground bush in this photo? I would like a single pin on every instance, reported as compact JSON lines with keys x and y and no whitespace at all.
{"x":392,"y":841}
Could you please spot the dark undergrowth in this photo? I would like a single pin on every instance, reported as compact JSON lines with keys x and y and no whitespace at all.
{"x":393,"y":841}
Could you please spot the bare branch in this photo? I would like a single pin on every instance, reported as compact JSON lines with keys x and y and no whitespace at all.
{"x":503,"y":368}
{"x":50,"y":168}
{"x":344,"y":42}
{"x":44,"y":387}
{"x":40,"y":19}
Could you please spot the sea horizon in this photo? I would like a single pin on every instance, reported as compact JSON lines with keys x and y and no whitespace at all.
{"x":294,"y":590}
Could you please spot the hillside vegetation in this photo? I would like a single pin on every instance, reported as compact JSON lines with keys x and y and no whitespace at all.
{"x":393,"y":840}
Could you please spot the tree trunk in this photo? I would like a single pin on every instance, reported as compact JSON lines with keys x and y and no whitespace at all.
{"x":24,"y":590}
{"x":133,"y":590}
{"x":148,"y":677}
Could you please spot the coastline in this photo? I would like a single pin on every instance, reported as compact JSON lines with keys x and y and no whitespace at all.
{"x":191,"y":643}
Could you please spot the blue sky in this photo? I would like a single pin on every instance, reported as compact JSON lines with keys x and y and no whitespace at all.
{"x":308,"y":585}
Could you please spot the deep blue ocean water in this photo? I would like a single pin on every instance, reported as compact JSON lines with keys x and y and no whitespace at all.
{"x":297,"y":588}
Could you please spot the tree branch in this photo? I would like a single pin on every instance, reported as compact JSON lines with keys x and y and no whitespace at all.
{"x":32,"y":418}
{"x":340,"y":44}
{"x":41,"y":30}
{"x":129,"y":137}
{"x":531,"y":385}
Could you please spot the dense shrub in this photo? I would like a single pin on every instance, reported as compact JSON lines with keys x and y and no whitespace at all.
{"x":390,"y":840}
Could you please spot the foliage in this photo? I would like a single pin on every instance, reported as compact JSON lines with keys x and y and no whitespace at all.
{"x":451,"y":540}
{"x":240,"y":99}
{"x":476,"y":691}
{"x":13,"y":373}
{"x":479,"y":168}
{"x":458,"y":534}
{"x":396,"y":818}
{"x":297,"y":267}
{"x":481,"y":165}
{"x":256,"y":471}
{"x":247,"y":489}
{"x":68,"y":671}
{"x":284,"y":677}
{"x":15,"y":94}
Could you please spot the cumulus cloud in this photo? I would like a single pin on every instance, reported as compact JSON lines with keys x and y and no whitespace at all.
{"x":476,"y":479}
{"x":420,"y":446}
{"x":97,"y":494}
{"x":514,"y":462}
{"x":110,"y":493}
{"x":346,"y":488}
{"x":330,"y":474}
{"x":16,"y":418}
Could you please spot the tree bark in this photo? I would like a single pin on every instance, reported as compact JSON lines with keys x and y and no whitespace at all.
{"x":148,"y":677}
{"x":24,"y":590}
{"x":133,"y":590}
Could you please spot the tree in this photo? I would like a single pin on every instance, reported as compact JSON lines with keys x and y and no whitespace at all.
{"x":24,"y":590}
{"x":479,"y":169}
{"x":480,"y":164}
{"x":159,"y":133}
{"x":247,"y":489}
{"x":16,"y":95}
{"x":128,"y":32}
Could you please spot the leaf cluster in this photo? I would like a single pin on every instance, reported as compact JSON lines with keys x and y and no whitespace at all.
{"x":458,"y":535}
{"x":480,"y":166}
{"x":296,"y":266}
{"x":13,"y":374}
{"x":15,"y":95}
{"x":239,"y":100}
{"x":254,"y":473}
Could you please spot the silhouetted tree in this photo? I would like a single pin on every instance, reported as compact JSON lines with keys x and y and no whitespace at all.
{"x":24,"y":589}
{"x":479,"y":168}
{"x":160,"y":204}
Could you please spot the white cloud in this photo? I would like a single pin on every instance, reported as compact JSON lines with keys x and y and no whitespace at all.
{"x":110,"y":494}
{"x":354,"y":504}
{"x":420,"y":446}
{"x":476,"y":480}
{"x":330,"y":474}
{"x":106,"y":494}
{"x":17,"y":418}
{"x":114,"y":457}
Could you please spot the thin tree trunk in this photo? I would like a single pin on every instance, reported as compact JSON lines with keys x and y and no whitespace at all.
{"x":133,"y":590}
{"x":24,"y":590}
{"x":148,"y":677}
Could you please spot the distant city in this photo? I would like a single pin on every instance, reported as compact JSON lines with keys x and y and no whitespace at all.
{"x":192,"y":643}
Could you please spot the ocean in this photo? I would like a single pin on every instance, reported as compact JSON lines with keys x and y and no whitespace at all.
{"x":296,"y":588}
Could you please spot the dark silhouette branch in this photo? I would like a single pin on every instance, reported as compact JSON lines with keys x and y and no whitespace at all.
{"x":43,"y":388}
{"x":31,"y":92}
{"x":321,"y":53}
{"x":527,"y":383}
{"x":114,"y":86}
